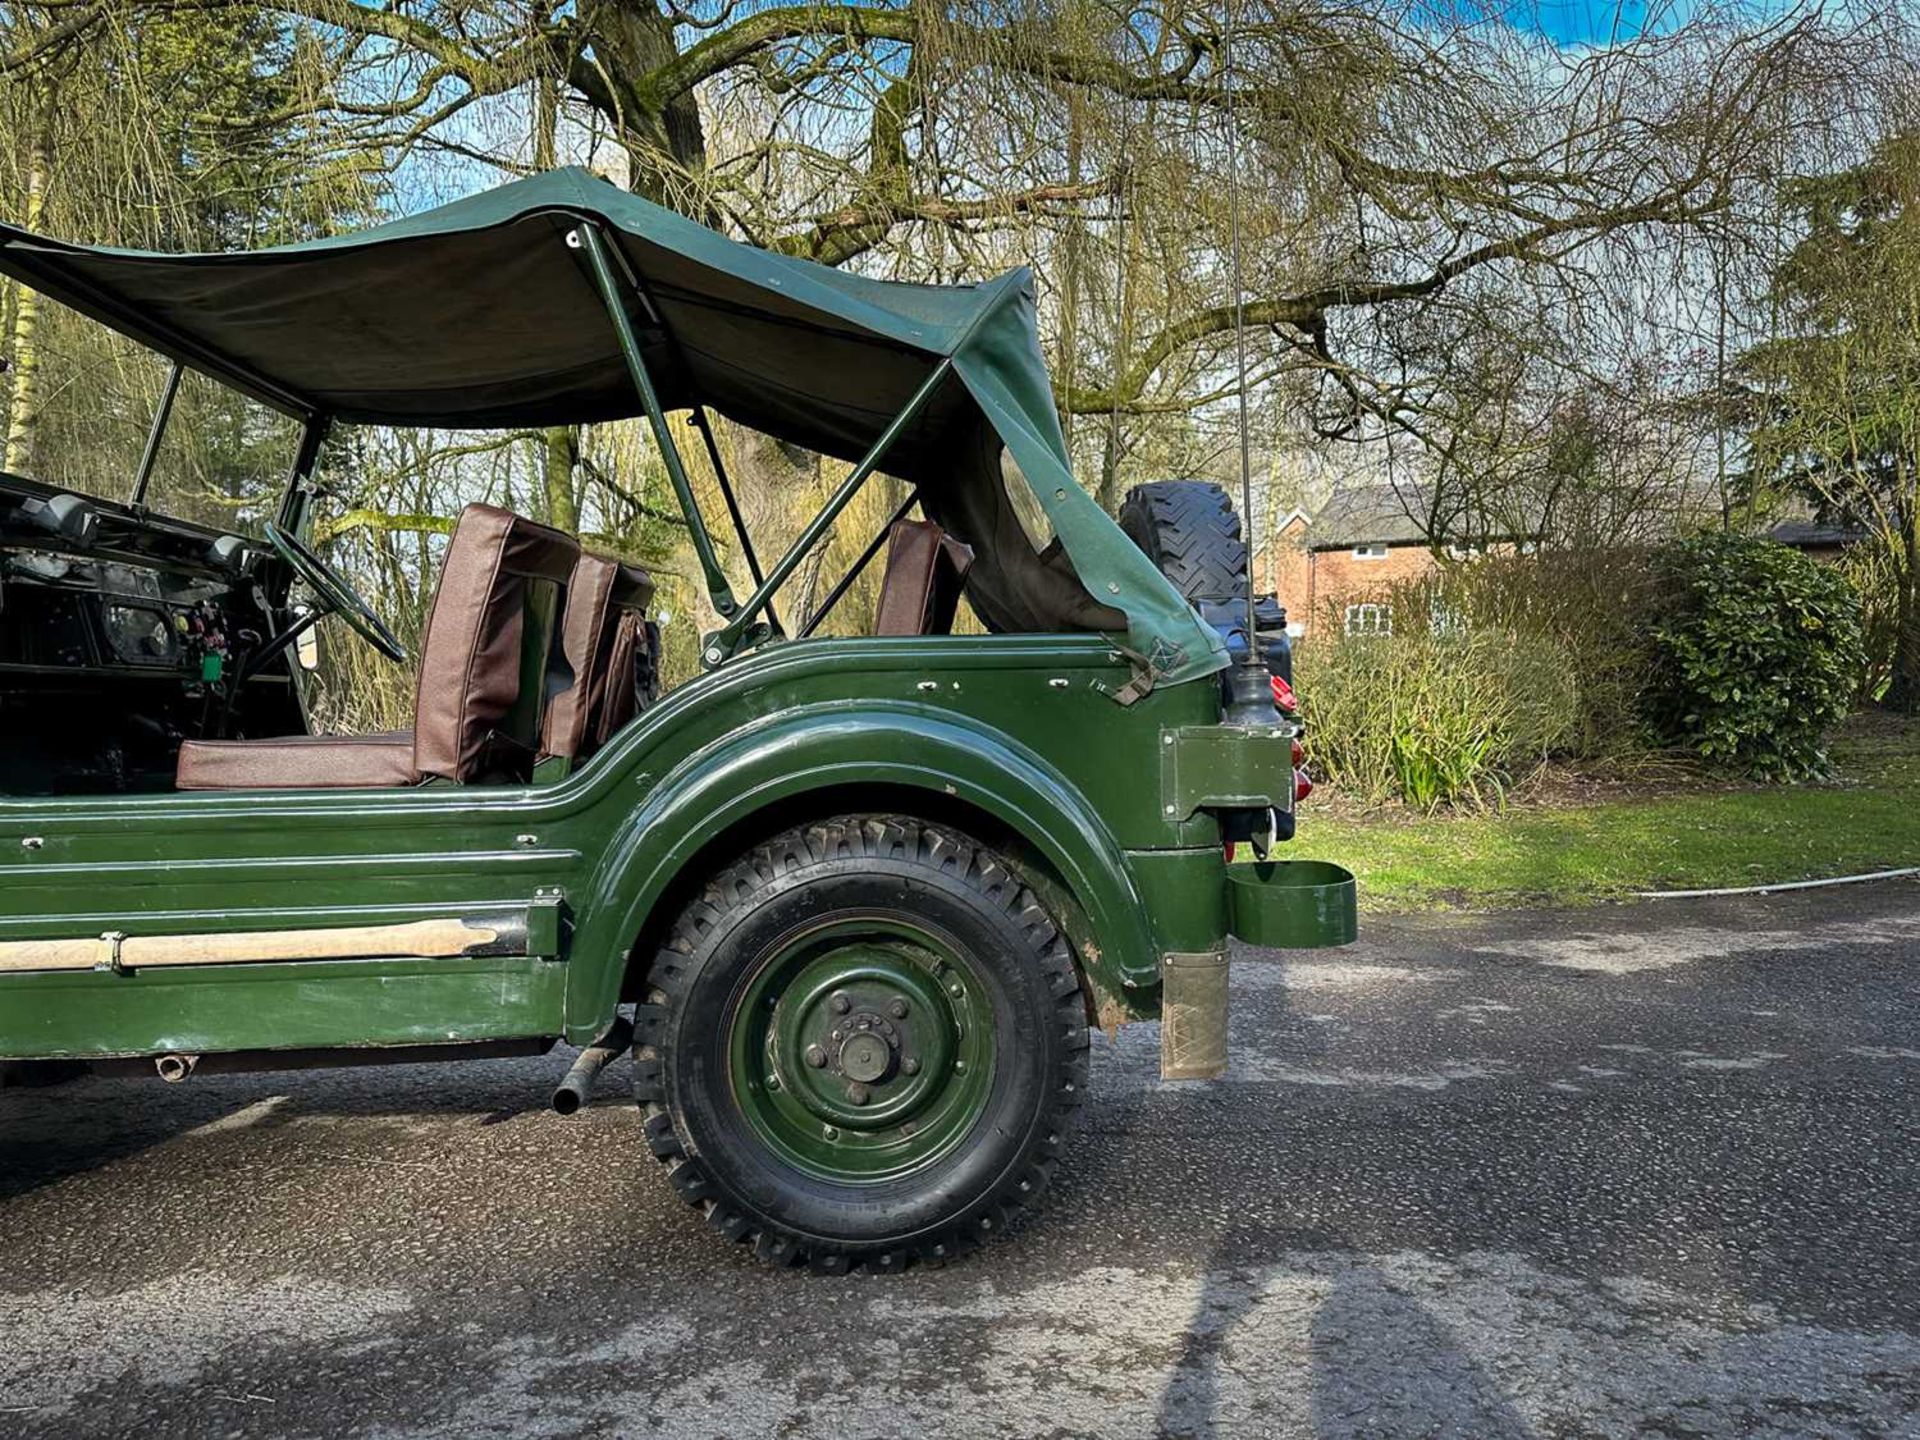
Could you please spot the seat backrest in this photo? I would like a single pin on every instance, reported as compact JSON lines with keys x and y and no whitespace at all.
{"x":604,"y":598}
{"x":921,"y":588}
{"x":491,"y":661}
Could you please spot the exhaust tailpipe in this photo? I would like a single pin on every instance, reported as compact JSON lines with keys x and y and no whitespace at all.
{"x":573,"y":1090}
{"x":175,"y":1068}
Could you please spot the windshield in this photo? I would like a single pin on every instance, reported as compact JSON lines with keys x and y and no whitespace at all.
{"x":80,"y":401}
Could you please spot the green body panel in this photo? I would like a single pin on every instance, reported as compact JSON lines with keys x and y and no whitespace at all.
{"x":1292,"y":904}
{"x":1225,"y":766}
{"x":307,"y":1005}
{"x":1181,"y":889}
{"x":1022,"y":728}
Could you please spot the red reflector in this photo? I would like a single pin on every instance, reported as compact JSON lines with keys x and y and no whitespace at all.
{"x":1302,"y":786}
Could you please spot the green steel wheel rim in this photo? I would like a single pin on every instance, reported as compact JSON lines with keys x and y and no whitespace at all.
{"x":862,"y":1050}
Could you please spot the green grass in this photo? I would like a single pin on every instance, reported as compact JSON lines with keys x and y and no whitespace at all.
{"x":1700,"y":836}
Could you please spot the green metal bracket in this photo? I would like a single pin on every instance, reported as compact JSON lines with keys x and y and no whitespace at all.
{"x":546,"y":918}
{"x":1225,"y":767}
{"x":719,"y":592}
{"x":739,"y":631}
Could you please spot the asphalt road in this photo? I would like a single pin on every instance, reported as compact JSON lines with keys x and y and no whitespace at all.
{"x":1649,"y":1170}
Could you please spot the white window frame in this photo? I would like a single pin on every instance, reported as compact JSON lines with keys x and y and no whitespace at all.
{"x":1370,"y":552}
{"x":1369,"y":617}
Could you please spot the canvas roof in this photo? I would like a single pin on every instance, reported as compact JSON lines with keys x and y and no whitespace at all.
{"x":480,"y":314}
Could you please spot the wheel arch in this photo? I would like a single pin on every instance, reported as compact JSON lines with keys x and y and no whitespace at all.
{"x":829,"y":762}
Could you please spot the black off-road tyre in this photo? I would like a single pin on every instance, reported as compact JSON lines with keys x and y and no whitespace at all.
{"x":1190,"y":530}
{"x":716,"y":974}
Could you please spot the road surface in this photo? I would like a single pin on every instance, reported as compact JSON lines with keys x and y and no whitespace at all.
{"x":1625,"y":1170}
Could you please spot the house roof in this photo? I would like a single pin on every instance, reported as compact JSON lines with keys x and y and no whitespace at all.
{"x":1364,"y":515}
{"x":1810,"y":534}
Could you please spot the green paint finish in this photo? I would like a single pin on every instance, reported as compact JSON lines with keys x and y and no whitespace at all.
{"x":1292,"y":904}
{"x":1225,"y":766}
{"x":203,"y":1009}
{"x":1182,"y":890}
{"x":1018,"y":727}
{"x":863,"y":1051}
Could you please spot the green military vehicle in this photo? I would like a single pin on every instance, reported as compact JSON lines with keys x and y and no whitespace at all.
{"x":854,"y":901}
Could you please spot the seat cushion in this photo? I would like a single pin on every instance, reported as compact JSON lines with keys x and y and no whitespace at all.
{"x":299,"y":762}
{"x":921,"y":588}
{"x":482,"y":670}
{"x":603,"y":597}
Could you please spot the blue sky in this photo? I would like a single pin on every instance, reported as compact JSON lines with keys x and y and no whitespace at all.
{"x":1582,"y":22}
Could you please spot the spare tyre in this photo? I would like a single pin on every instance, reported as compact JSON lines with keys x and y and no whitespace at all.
{"x":1189,"y":529}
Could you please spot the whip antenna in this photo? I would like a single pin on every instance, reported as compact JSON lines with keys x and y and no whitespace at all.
{"x":1231,"y":80}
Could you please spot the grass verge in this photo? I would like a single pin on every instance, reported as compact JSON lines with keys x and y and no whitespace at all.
{"x":1687,"y":837}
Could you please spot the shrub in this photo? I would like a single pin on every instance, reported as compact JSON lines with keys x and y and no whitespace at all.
{"x":1433,"y":714}
{"x":1755,"y":653}
{"x":1587,"y":603}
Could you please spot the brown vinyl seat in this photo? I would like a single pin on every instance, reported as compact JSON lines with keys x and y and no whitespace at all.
{"x":921,"y":588}
{"x":605,"y":637}
{"x":490,"y":665}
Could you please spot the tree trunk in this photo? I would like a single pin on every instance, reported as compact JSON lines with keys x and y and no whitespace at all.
{"x":557,"y":456}
{"x":1903,"y":693}
{"x":23,"y":343}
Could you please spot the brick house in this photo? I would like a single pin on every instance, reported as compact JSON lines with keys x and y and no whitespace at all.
{"x":1338,"y":560}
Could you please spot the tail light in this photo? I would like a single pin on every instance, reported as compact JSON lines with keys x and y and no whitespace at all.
{"x":1283,"y":696}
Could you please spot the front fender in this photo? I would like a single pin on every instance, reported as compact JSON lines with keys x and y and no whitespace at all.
{"x":815,"y":750}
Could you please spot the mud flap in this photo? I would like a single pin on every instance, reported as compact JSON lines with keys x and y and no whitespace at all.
{"x":1193,"y":1016}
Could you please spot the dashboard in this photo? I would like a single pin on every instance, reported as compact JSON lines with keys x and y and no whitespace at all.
{"x":122,"y":633}
{"x":59,"y":613}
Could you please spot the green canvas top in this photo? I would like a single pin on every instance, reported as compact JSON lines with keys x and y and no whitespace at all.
{"x":481,"y":314}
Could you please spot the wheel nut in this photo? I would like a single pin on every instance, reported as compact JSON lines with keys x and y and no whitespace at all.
{"x":898,"y":1009}
{"x":840,"y":1003}
{"x":910,"y":1066}
{"x":816,"y":1057}
{"x":857,"y":1094}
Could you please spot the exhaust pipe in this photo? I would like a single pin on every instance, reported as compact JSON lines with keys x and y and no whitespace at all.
{"x":175,"y":1068}
{"x":573,"y":1090}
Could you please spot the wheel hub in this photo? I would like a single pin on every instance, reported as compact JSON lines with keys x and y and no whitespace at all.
{"x":865,"y":1056}
{"x":862,"y":1054}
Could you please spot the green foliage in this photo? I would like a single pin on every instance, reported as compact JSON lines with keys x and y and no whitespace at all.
{"x":1833,"y":403}
{"x":1586,"y":603}
{"x":1756,"y":653}
{"x":1433,"y":715}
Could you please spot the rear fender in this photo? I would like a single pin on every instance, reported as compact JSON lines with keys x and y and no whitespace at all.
{"x":815,"y":751}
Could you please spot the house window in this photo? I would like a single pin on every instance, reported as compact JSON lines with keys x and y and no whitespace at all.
{"x":1369,"y":619}
{"x":1369,"y":552}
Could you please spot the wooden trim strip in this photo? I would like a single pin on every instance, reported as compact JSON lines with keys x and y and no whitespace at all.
{"x":417,"y":939}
